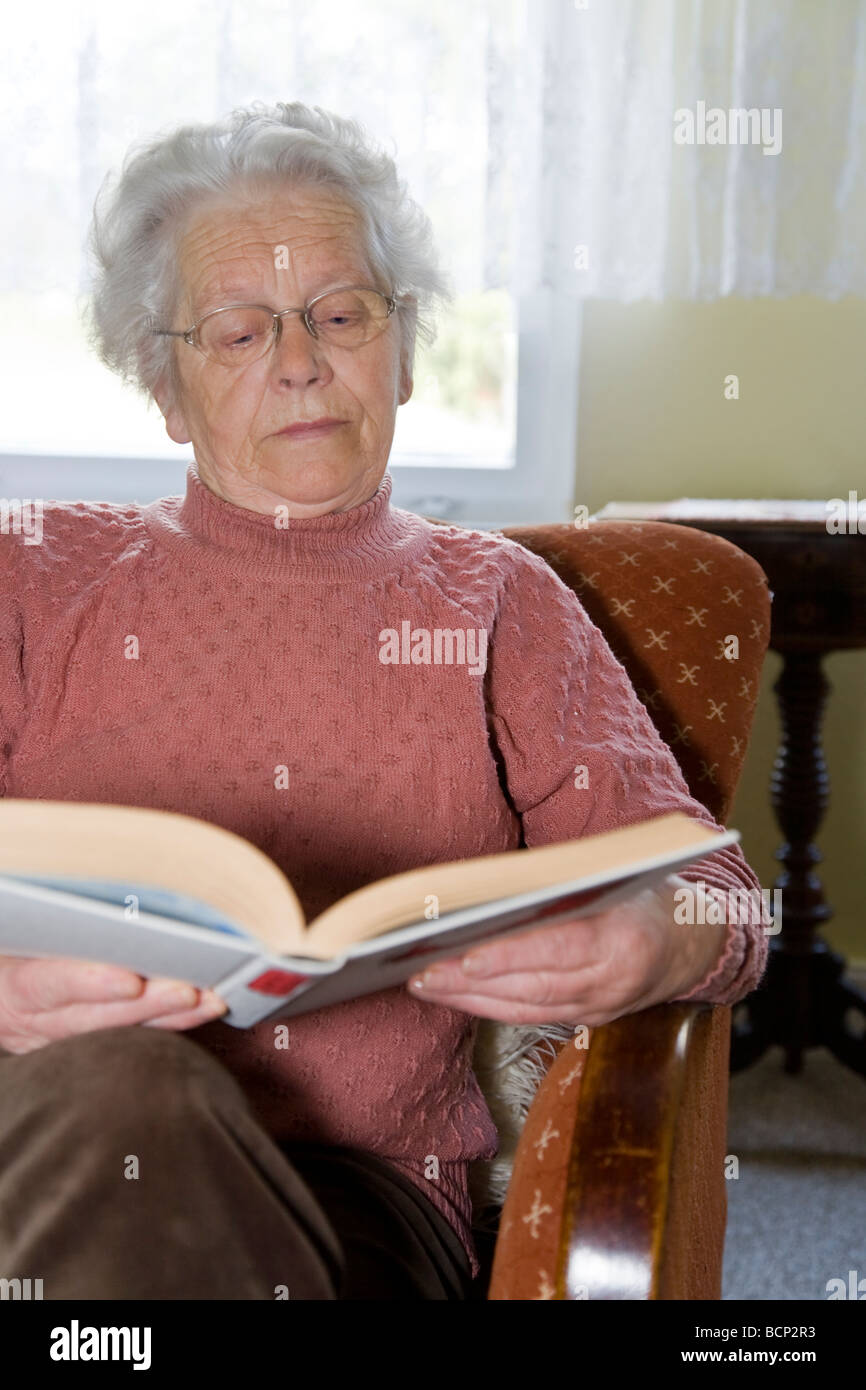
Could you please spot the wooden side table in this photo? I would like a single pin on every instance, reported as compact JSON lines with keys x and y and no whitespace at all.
{"x":818,"y":579}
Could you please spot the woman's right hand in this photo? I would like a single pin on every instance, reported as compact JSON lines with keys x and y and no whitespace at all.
{"x":42,"y":1000}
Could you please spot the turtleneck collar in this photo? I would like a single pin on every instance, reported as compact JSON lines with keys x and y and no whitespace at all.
{"x":357,"y":544}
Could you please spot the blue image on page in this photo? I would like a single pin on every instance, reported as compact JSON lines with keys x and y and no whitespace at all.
{"x":161,"y":902}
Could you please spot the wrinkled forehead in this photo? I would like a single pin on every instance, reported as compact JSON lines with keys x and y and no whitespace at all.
{"x":290,"y":244}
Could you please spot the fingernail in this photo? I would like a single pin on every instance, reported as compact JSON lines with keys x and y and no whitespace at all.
{"x":174,"y":996}
{"x":431,"y":979}
{"x":474,"y":965}
{"x":123,"y":989}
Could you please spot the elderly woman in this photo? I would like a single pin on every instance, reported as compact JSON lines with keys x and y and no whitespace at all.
{"x":265,"y":279}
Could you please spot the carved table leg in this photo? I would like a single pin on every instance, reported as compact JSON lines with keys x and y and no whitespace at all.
{"x":799,"y":794}
{"x":802,"y":1001}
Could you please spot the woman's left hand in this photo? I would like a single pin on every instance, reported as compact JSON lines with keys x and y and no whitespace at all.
{"x":590,"y":970}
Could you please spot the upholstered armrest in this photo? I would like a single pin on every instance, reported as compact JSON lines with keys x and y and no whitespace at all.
{"x":618,"y":1186}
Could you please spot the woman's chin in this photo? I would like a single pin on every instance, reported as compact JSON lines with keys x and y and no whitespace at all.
{"x":317,"y":484}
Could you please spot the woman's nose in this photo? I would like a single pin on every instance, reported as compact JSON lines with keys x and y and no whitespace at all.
{"x":298,"y":356}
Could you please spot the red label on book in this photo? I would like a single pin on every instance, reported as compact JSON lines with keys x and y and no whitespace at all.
{"x":276,"y":982}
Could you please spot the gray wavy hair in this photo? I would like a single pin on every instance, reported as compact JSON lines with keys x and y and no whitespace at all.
{"x":139,"y":217}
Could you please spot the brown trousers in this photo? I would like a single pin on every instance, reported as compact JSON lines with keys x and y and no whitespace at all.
{"x":132,"y":1167}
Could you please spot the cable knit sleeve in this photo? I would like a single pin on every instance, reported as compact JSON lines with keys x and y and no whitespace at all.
{"x":11,"y":657}
{"x":581,"y":755}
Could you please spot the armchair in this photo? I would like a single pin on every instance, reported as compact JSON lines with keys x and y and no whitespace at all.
{"x":609,"y":1181}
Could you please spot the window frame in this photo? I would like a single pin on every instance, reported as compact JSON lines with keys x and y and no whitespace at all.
{"x":538,"y":486}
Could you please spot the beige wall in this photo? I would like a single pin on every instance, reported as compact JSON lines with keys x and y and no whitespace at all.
{"x":654,"y":424}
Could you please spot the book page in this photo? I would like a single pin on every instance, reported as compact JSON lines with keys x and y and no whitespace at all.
{"x":172,"y":853}
{"x":406,"y":898}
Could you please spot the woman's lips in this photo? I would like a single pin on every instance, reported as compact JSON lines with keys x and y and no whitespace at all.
{"x":311,"y":430}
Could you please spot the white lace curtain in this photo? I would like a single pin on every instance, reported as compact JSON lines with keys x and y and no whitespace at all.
{"x":527,"y":128}
{"x":661,"y":219}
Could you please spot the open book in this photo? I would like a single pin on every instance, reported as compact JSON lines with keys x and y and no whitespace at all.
{"x":168,"y":894}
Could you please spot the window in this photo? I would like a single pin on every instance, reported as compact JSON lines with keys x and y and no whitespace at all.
{"x":489,"y":435}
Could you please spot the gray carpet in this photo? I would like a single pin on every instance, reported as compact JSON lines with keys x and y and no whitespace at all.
{"x":797,"y":1211}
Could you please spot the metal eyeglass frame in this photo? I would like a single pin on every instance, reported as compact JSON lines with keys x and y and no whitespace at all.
{"x":190,"y":335}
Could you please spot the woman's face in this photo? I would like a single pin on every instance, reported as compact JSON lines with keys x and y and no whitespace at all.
{"x":231,"y":253}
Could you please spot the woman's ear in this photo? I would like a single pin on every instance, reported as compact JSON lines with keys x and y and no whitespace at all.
{"x":407,"y":348}
{"x":407,"y":379}
{"x":165,"y":395}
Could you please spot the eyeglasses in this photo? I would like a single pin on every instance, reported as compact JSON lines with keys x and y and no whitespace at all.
{"x":242,"y":333}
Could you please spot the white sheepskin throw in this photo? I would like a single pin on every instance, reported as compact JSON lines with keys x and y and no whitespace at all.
{"x":510,"y":1060}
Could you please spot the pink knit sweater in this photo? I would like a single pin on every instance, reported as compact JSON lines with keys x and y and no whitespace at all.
{"x":260,"y":648}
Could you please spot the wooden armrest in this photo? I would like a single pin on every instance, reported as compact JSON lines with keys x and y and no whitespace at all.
{"x":618,"y":1186}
